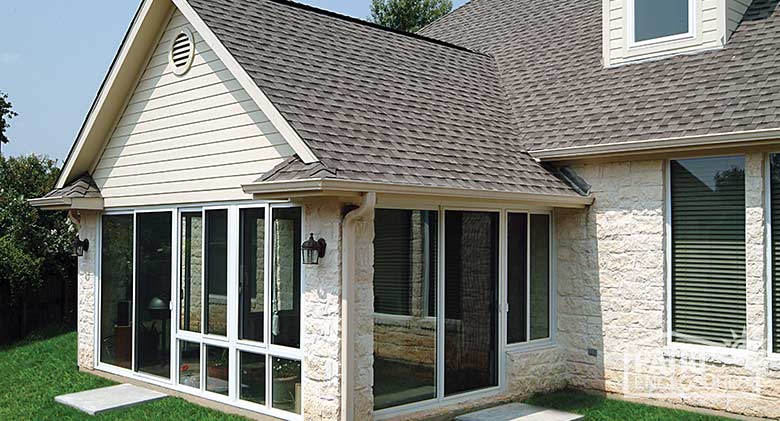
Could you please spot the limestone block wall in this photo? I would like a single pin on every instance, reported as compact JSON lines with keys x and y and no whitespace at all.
{"x":364,"y":318}
{"x":612,"y":299}
{"x":87,"y":266}
{"x":321,"y":306}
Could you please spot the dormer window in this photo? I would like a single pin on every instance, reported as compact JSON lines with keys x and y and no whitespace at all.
{"x":660,"y":21}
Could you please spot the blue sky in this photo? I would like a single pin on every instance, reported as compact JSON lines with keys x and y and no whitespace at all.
{"x":54,"y":55}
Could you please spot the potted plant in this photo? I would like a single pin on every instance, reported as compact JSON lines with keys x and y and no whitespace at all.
{"x":287,"y":385}
{"x":218,"y":368}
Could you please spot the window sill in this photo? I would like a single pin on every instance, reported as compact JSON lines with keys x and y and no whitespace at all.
{"x":534,"y":346}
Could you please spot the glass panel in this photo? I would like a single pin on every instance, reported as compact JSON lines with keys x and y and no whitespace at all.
{"x":216,"y":271}
{"x":659,"y":18}
{"x":116,"y":291}
{"x":286,"y":387}
{"x":286,"y":277}
{"x":404,"y":274}
{"x":217,"y":369}
{"x":189,"y":364}
{"x":540,"y":276}
{"x":471,"y":289}
{"x":191,"y":271}
{"x":251,"y":273}
{"x":517,"y":277}
{"x":708,"y":251}
{"x":154,"y":259}
{"x":252,"y":378}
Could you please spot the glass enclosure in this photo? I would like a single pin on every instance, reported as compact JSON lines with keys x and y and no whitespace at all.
{"x":191,"y":270}
{"x":116,"y":291}
{"x":252,"y":274}
{"x":216,"y":271}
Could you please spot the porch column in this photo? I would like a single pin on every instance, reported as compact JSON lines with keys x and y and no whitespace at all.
{"x":321,"y":336}
{"x":364,"y":315}
{"x":87,"y":291}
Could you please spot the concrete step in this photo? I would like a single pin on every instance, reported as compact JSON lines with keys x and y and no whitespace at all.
{"x":96,"y":401}
{"x":519,"y":412}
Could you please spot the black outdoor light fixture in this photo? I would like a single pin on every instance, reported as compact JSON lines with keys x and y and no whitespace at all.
{"x":80,"y":246}
{"x":313,"y":250}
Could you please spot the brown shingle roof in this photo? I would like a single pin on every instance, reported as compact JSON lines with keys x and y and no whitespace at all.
{"x":548,"y":55}
{"x":377,"y":105}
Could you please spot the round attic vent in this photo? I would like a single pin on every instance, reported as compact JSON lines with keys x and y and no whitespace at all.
{"x":182,"y":52}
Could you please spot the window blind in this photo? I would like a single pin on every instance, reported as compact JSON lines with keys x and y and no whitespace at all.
{"x":775,"y":262}
{"x":708,"y":251}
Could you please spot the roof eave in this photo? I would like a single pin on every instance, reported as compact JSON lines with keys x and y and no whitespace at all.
{"x":283,"y":190}
{"x":656,"y":146}
{"x":67,"y":203}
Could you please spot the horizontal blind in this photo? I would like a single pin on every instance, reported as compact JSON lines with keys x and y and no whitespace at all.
{"x":392,"y":256}
{"x":708,"y":251}
{"x":775,"y":226}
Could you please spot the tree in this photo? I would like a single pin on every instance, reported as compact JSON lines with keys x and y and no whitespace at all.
{"x":34,"y":244}
{"x":6,"y":114}
{"x":408,"y":15}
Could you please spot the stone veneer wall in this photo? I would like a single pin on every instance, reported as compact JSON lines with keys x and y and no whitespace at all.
{"x":87,"y":266}
{"x":612,"y":298}
{"x":321,"y":303}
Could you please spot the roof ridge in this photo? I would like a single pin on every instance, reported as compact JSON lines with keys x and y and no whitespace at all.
{"x":445,"y":16}
{"x":377,"y":26}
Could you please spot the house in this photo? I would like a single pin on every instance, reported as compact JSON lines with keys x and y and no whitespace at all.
{"x":304,"y":215}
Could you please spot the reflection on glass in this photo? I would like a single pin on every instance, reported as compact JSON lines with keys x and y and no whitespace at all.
{"x":216,"y":271}
{"x":659,"y":18}
{"x":251,"y":273}
{"x":286,"y":387}
{"x":116,"y":293}
{"x":540,"y":276}
{"x":154,"y":258}
{"x":191,"y":271}
{"x":471,"y":289}
{"x":252,"y":380}
{"x":517,"y":277}
{"x":217,"y":369}
{"x":286,"y":277}
{"x":405,"y":244}
{"x":189,"y":364}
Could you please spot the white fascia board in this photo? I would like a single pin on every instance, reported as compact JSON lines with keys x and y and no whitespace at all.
{"x":66,"y":203}
{"x":324,"y":186}
{"x":103,"y":93}
{"x":724,"y":140}
{"x":290,"y":135}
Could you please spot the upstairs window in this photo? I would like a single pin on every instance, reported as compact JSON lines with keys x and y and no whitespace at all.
{"x":654,"y":21}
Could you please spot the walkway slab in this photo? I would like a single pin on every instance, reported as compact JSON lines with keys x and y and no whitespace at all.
{"x":519,"y":412}
{"x":96,"y":401}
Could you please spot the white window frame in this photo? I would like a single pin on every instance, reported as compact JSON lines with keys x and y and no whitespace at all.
{"x":504,"y":349}
{"x":230,"y":342}
{"x":670,"y":343}
{"x":631,"y":27}
{"x":541,"y":343}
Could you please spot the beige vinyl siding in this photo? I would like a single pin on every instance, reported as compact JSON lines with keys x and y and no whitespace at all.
{"x":709,"y":30}
{"x":191,"y":138}
{"x":735,"y":10}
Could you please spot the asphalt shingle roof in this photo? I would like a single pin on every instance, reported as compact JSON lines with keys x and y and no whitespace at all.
{"x":379,"y":106}
{"x":82,"y":187}
{"x":549,"y":58}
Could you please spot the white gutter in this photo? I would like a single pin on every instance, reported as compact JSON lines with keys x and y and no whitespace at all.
{"x":723,"y":140}
{"x":325,"y":186}
{"x":347,"y":303}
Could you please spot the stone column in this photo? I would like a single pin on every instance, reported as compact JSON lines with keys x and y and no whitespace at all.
{"x":364,"y":315}
{"x":321,"y":341}
{"x":755,"y":252}
{"x":86,"y":287}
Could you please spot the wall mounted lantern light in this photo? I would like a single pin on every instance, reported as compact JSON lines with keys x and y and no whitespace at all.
{"x":313,"y":250}
{"x":80,"y":246}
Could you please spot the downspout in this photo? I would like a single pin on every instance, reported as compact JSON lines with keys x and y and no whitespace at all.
{"x":347,"y":303}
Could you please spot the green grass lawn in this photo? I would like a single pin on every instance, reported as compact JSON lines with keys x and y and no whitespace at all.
{"x":599,"y":408}
{"x":34,"y":371}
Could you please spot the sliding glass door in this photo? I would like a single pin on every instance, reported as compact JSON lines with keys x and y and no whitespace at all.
{"x":154,"y":259}
{"x":116,"y":291}
{"x":470,"y":301}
